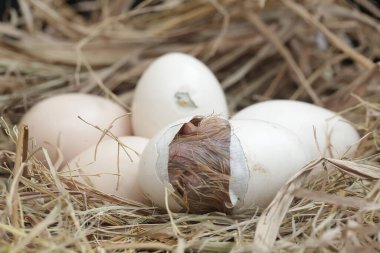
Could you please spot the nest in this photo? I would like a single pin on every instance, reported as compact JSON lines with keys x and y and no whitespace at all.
{"x":323,"y":52}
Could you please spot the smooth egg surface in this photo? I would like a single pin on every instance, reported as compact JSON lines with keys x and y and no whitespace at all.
{"x":54,"y":122}
{"x":174,"y":86}
{"x":323,"y":132}
{"x":110,"y":167}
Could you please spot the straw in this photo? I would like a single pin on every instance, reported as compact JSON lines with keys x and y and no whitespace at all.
{"x":323,"y":52}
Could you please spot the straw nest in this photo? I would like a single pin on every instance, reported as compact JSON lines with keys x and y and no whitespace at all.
{"x":323,"y":52}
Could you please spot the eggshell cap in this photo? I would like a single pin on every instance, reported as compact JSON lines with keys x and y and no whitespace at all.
{"x":153,"y":169}
{"x":273,"y":154}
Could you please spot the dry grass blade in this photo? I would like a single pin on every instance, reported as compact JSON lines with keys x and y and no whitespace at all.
{"x":286,"y":54}
{"x":370,"y":7}
{"x":272,"y":217}
{"x":336,"y":200}
{"x":50,"y":219}
{"x":344,"y":99}
{"x":333,"y":39}
{"x":13,"y":200}
{"x":362,"y":170}
{"x":145,"y":246}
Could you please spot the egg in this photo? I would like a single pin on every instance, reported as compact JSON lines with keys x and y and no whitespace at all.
{"x":110,"y":167}
{"x":205,"y":164}
{"x":54,"y":122}
{"x":174,"y":86}
{"x":334,"y":136}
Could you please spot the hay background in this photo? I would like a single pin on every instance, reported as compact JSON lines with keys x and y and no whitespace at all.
{"x":316,"y":51}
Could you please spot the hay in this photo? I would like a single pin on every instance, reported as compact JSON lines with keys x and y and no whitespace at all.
{"x":317,"y":51}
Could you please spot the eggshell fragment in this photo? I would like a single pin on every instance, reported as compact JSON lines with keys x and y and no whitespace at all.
{"x":110,"y":167}
{"x":54,"y":122}
{"x":174,"y":86}
{"x":273,"y":154}
{"x":262,"y":157}
{"x":153,"y":175}
{"x":334,"y":137}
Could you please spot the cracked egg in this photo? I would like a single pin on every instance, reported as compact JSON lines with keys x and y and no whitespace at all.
{"x":174,"y":86}
{"x":210,"y":164}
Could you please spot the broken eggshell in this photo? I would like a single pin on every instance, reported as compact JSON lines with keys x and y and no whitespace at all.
{"x":174,"y":86}
{"x":213,"y":172}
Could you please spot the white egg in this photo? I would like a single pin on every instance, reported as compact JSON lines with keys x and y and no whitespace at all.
{"x":110,"y":167}
{"x":54,"y":122}
{"x":334,"y":136}
{"x":174,"y":86}
{"x":253,"y":159}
